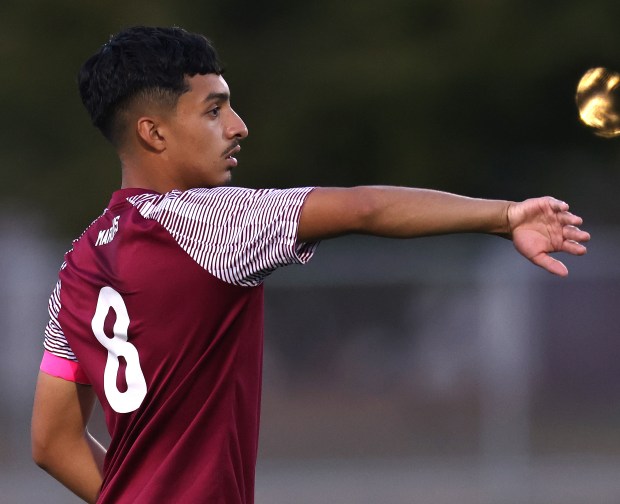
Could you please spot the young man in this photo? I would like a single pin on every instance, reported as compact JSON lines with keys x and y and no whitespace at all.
{"x":157,"y":312}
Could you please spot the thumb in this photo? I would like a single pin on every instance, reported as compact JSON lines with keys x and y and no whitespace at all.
{"x":550,"y":264}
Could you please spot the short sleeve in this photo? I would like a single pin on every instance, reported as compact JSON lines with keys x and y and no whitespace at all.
{"x":55,"y":342}
{"x":238,"y":235}
{"x":58,"y":358}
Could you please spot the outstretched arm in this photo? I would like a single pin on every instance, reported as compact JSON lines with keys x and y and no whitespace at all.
{"x":537,"y":227}
{"x":61,"y":445}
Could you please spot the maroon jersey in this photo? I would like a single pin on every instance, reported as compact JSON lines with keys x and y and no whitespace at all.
{"x":159,"y":306}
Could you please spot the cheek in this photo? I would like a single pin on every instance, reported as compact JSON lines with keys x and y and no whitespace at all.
{"x":202,"y":135}
{"x":192,"y":143}
{"x":201,"y":150}
{"x":198,"y":138}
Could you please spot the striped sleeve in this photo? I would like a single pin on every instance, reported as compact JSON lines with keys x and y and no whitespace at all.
{"x":239,"y":235}
{"x":55,"y":341}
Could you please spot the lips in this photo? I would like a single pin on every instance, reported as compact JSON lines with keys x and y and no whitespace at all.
{"x":232,"y":161}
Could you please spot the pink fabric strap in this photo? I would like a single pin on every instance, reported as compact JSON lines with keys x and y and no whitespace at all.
{"x":63,"y":368}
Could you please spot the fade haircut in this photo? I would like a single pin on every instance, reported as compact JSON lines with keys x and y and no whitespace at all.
{"x":141,"y":62}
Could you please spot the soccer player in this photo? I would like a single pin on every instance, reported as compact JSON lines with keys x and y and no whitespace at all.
{"x":158,"y":308}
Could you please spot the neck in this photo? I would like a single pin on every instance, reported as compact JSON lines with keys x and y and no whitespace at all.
{"x":145,"y":174}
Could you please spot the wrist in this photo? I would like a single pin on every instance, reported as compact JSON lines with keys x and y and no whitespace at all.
{"x":504,"y":228}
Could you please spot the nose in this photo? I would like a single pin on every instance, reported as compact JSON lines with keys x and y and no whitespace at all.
{"x":237,"y":128}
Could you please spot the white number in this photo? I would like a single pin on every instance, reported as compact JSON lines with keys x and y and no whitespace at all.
{"x":118,"y":346}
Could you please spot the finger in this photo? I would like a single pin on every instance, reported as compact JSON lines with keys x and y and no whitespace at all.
{"x":567,"y":218}
{"x":574,"y":248}
{"x":552,"y":265}
{"x":557,"y":205}
{"x":575,"y":234}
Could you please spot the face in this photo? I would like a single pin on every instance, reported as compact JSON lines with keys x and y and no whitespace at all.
{"x":203,"y":134}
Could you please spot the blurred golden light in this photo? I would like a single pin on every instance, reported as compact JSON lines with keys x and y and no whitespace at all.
{"x":597,"y":101}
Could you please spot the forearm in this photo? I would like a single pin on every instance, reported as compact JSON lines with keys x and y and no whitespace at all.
{"x":408,"y":212}
{"x":78,"y":465}
{"x":61,"y":444}
{"x":398,"y":212}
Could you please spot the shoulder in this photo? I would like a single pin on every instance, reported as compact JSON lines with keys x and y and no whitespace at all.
{"x":195,"y":203}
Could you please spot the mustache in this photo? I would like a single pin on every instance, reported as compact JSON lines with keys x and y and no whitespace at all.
{"x":230,"y":148}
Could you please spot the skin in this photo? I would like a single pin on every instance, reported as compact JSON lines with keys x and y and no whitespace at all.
{"x":61,"y":444}
{"x":187,"y":147}
{"x":195,"y":145}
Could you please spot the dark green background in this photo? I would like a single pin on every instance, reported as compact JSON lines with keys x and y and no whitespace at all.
{"x":475,"y":97}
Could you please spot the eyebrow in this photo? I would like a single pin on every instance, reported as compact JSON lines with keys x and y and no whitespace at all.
{"x":220,"y":97}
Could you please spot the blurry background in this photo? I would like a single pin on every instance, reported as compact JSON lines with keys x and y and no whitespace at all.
{"x":430,"y":371}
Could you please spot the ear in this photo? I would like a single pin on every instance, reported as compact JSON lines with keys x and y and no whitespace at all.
{"x":150,"y":134}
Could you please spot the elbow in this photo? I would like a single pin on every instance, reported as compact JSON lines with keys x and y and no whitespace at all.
{"x":40,"y":451}
{"x":367,"y":207}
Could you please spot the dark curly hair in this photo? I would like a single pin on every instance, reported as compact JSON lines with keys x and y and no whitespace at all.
{"x":146,"y":62}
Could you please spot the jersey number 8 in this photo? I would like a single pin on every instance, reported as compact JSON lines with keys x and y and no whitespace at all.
{"x":118,"y":346}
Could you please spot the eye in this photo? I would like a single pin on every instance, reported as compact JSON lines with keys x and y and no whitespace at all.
{"x":214,"y":112}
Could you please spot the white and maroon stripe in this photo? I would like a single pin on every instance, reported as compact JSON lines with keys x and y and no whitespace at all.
{"x":238,"y":235}
{"x":55,"y":341}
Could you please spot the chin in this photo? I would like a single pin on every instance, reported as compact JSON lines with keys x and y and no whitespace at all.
{"x":224,"y":181}
{"x":227,"y":179}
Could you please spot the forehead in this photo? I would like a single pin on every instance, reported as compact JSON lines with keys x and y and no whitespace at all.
{"x":206,"y":87}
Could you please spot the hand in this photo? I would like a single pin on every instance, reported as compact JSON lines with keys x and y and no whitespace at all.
{"x":541,"y":226}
